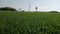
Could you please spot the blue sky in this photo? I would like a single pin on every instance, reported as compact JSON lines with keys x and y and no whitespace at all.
{"x":43,"y":5}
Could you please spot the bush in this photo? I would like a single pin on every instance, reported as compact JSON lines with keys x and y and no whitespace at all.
{"x":54,"y":11}
{"x":7,"y":9}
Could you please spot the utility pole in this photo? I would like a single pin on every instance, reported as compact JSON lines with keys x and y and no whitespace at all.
{"x":29,"y":5}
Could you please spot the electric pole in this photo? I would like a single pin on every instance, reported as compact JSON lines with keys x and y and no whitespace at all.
{"x":29,"y":5}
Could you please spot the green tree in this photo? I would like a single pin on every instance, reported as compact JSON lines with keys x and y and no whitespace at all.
{"x":54,"y":11}
{"x":36,"y":8}
{"x":7,"y":9}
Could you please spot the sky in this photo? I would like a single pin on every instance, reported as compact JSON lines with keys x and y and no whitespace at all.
{"x":43,"y":5}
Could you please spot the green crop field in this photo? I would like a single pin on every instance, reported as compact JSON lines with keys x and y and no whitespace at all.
{"x":29,"y":23}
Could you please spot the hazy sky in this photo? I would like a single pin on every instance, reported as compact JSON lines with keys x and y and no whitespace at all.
{"x":43,"y":5}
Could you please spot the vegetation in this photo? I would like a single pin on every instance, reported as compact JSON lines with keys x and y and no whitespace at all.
{"x":29,"y":23}
{"x":54,"y":11}
{"x":7,"y":9}
{"x":36,"y":8}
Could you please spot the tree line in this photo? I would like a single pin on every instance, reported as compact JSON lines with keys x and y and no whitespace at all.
{"x":13,"y":9}
{"x":7,"y":9}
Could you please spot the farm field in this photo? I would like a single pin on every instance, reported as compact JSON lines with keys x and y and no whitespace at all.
{"x":29,"y":23}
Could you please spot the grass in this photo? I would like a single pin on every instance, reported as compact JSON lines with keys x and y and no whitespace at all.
{"x":29,"y":23}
